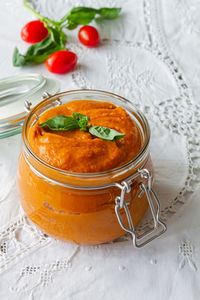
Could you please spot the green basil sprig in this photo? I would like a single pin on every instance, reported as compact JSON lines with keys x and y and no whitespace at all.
{"x":79,"y":121}
{"x":82,"y":120}
{"x":39,"y":52}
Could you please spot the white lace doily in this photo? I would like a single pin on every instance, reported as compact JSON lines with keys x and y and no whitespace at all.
{"x":146,"y":56}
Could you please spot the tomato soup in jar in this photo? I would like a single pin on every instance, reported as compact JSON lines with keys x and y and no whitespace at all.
{"x":85,"y":170}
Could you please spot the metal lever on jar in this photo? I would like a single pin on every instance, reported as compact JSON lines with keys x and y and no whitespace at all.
{"x":159,"y":226}
{"x":47,"y":95}
{"x":27,"y":104}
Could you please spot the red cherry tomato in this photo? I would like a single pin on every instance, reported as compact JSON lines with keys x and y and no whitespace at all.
{"x":34,"y":32}
{"x":61,"y":62}
{"x":88,"y":36}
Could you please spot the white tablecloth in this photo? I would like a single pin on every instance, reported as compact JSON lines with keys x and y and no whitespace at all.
{"x":151,"y":56}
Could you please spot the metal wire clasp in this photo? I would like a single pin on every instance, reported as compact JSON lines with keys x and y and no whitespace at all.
{"x":154,"y":204}
{"x":28,"y":104}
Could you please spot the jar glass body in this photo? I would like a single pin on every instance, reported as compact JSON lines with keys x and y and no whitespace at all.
{"x":80,"y":207}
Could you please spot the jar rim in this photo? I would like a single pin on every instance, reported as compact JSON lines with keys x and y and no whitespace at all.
{"x":131,"y":163}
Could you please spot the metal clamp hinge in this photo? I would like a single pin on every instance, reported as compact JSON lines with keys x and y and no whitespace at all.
{"x":28,"y":104}
{"x":154,"y":204}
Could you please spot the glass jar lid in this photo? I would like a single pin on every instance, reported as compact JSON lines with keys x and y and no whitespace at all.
{"x":14,"y":91}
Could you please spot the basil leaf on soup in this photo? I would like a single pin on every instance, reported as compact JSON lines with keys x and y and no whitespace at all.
{"x":79,"y":116}
{"x":82,"y":120}
{"x":61,"y":123}
{"x":106,"y":133}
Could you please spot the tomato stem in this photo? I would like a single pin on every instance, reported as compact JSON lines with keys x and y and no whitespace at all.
{"x":42,"y":18}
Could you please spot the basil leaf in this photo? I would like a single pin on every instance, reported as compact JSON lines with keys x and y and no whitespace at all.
{"x":72,"y":26}
{"x":84,"y":15}
{"x":82,"y":9}
{"x":18,"y":59}
{"x":82,"y":120}
{"x":36,"y":54}
{"x":39,"y":52}
{"x":106,"y":133}
{"x":80,"y":18}
{"x":38,"y":48}
{"x":79,"y":117}
{"x":58,"y":36}
{"x":109,"y":13}
{"x":61,"y":123}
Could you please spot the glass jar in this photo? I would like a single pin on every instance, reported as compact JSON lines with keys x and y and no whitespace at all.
{"x":89,"y":208}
